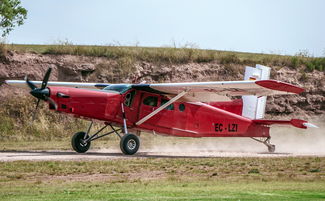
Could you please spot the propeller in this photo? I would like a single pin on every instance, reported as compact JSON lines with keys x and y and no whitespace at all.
{"x":42,"y":93}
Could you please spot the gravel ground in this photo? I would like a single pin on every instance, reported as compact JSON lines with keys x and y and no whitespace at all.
{"x":113,"y":154}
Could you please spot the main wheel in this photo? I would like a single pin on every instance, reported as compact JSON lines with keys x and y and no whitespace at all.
{"x":77,"y":142}
{"x":129,"y":144}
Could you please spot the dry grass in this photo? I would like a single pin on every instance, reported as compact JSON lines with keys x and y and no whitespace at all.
{"x":16,"y":121}
{"x":3,"y":52}
{"x":182,"y":169}
{"x":126,"y":56}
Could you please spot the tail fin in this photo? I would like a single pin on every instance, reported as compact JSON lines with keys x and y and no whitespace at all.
{"x":254,"y":106}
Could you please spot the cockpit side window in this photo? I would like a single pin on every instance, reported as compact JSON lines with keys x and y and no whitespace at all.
{"x":129,"y":98}
{"x":151,"y":101}
{"x":169,"y":107}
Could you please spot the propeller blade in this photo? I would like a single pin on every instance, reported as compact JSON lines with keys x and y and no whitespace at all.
{"x":52,"y":102}
{"x":41,"y":93}
{"x":34,"y":114}
{"x":30,"y":84}
{"x":46,"y":78}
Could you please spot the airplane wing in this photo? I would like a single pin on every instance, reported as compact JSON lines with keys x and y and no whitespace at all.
{"x":22,"y":83}
{"x":196,"y":91}
{"x":222,"y":91}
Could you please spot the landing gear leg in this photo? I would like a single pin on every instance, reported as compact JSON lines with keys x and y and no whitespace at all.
{"x":266,"y":142}
{"x":129,"y":143}
{"x":81,"y":140}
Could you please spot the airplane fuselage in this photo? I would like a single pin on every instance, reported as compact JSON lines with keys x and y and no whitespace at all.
{"x":186,"y":119}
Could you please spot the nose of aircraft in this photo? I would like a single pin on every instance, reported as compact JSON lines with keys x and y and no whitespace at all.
{"x":42,"y":93}
{"x":39,"y":93}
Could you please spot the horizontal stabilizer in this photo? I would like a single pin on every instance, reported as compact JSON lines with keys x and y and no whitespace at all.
{"x":294,"y":122}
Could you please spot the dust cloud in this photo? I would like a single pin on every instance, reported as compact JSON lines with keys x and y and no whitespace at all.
{"x":287,"y":139}
{"x":295,"y":140}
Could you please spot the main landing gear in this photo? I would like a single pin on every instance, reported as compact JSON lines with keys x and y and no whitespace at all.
{"x":81,"y":141}
{"x":266,"y":142}
{"x":129,"y":143}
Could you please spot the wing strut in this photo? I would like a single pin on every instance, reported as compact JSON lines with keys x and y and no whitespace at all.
{"x":161,"y":107}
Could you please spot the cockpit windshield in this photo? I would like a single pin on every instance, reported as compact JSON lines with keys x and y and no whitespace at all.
{"x":120,"y":88}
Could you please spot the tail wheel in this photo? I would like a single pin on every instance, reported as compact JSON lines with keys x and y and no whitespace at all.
{"x":271,"y":148}
{"x":78,"y":144}
{"x":129,"y":144}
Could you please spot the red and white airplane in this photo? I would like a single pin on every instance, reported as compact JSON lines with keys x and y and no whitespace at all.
{"x":193,"y":109}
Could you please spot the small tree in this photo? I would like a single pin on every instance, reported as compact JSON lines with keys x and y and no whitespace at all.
{"x":11,"y":14}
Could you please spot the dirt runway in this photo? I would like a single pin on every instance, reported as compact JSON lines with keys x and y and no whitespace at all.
{"x":289,"y":143}
{"x":110,"y":155}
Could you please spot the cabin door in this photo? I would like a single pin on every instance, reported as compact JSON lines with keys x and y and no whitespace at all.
{"x":149,"y":103}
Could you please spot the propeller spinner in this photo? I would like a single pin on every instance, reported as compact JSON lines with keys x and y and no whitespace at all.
{"x":42,"y":93}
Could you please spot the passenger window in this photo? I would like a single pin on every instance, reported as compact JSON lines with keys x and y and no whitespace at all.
{"x":181,"y":107}
{"x":151,"y":101}
{"x":170,"y":107}
{"x":129,"y":98}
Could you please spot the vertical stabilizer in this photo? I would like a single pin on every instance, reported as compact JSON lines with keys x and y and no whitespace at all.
{"x":253,"y":106}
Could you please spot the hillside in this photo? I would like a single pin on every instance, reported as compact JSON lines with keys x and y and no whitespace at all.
{"x":134,"y":65}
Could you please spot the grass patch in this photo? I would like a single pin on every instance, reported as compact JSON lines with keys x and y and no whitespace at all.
{"x":162,"y":179}
{"x":228,"y":169}
{"x":166,"y":190}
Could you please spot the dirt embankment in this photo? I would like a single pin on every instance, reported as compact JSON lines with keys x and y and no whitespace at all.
{"x":99,"y":69}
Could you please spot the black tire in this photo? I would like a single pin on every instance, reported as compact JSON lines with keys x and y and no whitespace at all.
{"x":129,"y":144}
{"x":77,"y":143}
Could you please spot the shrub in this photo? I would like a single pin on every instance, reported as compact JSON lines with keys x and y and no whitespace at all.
{"x":314,"y":170}
{"x":16,"y":120}
{"x":315,"y":64}
{"x":3,"y":52}
{"x":229,"y":58}
{"x":295,"y":62}
{"x":253,"y":171}
{"x":310,"y":66}
{"x":125,"y":65}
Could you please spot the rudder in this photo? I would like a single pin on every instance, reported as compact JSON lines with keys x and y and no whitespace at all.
{"x":254,"y":106}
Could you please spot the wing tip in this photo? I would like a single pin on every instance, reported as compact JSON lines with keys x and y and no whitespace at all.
{"x":8,"y":82}
{"x":280,"y":86}
{"x":13,"y":82}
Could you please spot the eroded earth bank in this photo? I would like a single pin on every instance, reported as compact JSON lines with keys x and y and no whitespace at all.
{"x":310,"y":103}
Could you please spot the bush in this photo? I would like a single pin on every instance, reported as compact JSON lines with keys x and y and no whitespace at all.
{"x":16,"y":120}
{"x":253,"y":171}
{"x":314,"y":170}
{"x":3,"y":52}
{"x":125,"y":65}
{"x":229,"y":58}
{"x":295,"y":62}
{"x":317,"y":63}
